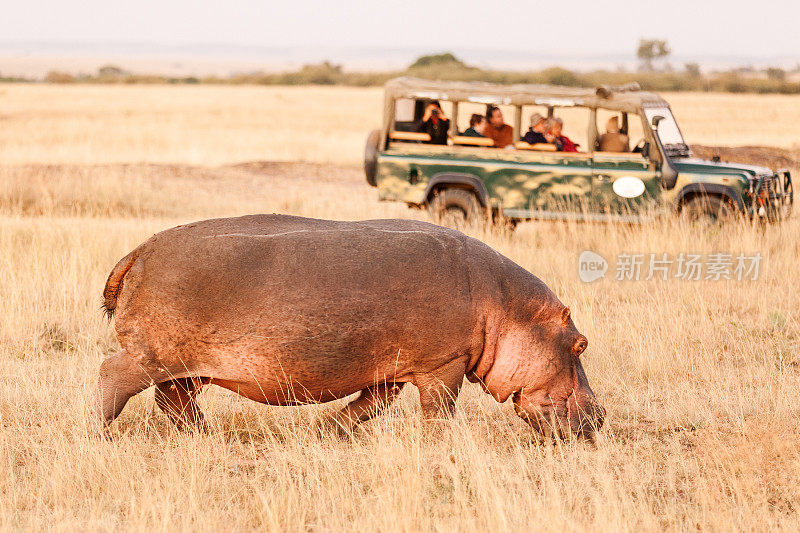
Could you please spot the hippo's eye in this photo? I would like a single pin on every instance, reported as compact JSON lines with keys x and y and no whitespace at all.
{"x":580,"y":346}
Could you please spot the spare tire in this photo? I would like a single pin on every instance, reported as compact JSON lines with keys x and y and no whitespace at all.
{"x":371,"y":156}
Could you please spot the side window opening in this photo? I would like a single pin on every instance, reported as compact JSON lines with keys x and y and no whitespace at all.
{"x":408,"y":121}
{"x":479,"y":135}
{"x":618,"y":132}
{"x":533,"y":129}
{"x":576,"y":126}
{"x":404,"y":114}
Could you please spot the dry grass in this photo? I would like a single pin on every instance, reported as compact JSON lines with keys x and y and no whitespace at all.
{"x":215,"y":125}
{"x":700,"y":379}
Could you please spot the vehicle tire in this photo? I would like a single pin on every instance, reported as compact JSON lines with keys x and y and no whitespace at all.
{"x":456,"y":208}
{"x":709,"y":210}
{"x":371,"y":156}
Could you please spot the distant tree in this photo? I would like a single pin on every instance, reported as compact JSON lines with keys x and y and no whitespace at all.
{"x":775,"y":73}
{"x":651,"y":50}
{"x":692,"y":70}
{"x":111,"y":71}
{"x":444,"y":59}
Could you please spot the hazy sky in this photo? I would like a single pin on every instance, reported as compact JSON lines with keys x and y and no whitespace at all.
{"x":693,"y":27}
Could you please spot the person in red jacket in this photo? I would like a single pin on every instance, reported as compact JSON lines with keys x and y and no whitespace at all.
{"x":562,"y":142}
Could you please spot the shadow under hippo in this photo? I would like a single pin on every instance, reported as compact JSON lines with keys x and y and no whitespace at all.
{"x":287,"y":310}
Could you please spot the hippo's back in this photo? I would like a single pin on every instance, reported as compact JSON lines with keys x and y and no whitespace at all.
{"x":291,"y":287}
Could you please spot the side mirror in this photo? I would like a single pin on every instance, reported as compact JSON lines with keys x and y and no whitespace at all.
{"x":656,"y":120}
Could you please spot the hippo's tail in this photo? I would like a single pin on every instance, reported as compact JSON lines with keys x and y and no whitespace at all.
{"x":114,"y":282}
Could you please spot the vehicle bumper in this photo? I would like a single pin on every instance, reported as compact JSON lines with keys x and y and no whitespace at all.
{"x":772,"y":197}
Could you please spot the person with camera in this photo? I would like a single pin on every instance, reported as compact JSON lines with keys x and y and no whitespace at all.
{"x":435,"y":123}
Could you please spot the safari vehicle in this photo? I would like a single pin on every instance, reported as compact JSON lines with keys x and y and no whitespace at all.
{"x":469,"y":179}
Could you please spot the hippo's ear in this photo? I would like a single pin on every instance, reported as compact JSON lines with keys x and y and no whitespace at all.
{"x":565,"y":316}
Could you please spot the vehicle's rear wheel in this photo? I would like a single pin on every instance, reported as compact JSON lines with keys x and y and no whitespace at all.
{"x":708,"y":210}
{"x":456,"y":208}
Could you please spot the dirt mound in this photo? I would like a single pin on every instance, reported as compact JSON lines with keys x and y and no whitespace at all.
{"x":766,"y":156}
{"x":302,"y":171}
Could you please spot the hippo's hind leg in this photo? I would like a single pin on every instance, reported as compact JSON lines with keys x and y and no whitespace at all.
{"x":371,"y":402}
{"x":122,"y":376}
{"x":177,"y":399}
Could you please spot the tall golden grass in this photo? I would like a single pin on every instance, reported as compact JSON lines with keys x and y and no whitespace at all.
{"x":700,"y":378}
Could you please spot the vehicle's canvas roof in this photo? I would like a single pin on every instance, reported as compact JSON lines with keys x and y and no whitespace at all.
{"x":521,"y":94}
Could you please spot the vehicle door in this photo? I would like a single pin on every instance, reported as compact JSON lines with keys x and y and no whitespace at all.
{"x":625,"y":185}
{"x":559,"y":184}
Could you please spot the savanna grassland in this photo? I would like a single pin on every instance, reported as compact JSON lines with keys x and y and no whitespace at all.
{"x":700,"y":378}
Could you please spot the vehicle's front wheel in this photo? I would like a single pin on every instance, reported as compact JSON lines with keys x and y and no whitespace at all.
{"x":709,"y":210}
{"x":456,"y":208}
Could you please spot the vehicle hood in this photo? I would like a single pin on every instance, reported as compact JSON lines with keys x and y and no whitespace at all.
{"x":691,"y":164}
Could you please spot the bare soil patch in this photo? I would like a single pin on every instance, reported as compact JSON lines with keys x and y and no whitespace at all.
{"x":767,"y":156}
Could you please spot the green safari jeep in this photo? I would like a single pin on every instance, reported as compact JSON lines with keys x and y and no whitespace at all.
{"x":461,"y":178}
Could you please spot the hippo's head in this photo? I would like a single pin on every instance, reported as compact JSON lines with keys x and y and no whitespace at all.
{"x":537,"y":361}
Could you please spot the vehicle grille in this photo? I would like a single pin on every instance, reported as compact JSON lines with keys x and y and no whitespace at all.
{"x":769,"y":183}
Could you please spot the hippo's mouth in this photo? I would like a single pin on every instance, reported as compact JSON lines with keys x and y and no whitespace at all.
{"x":556,"y":419}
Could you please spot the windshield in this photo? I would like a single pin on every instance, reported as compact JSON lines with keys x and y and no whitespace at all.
{"x":668,"y":131}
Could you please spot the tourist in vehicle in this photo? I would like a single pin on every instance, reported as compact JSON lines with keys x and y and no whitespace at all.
{"x":563,"y":143}
{"x":435,"y":123}
{"x":537,"y":133}
{"x":612,"y":140}
{"x":496,"y":129}
{"x":477,"y":123}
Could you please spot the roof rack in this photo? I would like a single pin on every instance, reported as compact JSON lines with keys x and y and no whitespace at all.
{"x":626,"y":98}
{"x":604,"y":91}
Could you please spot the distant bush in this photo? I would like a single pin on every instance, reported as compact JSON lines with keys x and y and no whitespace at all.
{"x":692,"y":70}
{"x":775,"y":73}
{"x":56,"y":76}
{"x":111,"y":70}
{"x":445,"y":59}
{"x":446,"y":66}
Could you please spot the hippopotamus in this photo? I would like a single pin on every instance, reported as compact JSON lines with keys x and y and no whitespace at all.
{"x":287,"y":310}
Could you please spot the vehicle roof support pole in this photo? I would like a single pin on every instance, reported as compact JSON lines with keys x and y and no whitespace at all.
{"x":593,"y":134}
{"x":454,"y":120}
{"x":517,"y":123}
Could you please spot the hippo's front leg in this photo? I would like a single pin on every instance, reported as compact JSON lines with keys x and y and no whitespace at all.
{"x":438,"y":389}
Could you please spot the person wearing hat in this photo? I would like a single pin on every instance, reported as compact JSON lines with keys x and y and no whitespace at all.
{"x":536,"y":133}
